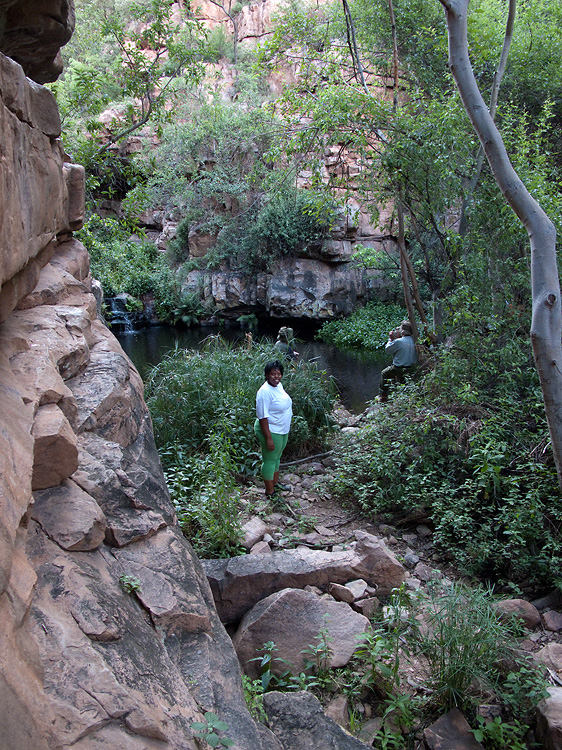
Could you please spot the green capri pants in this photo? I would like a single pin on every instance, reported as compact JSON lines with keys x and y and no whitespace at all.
{"x":270,"y":459}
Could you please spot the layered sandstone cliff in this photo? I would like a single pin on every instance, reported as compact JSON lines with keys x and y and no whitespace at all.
{"x":108,"y":633}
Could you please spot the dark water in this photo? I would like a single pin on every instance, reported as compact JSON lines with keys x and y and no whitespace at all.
{"x":357,"y":374}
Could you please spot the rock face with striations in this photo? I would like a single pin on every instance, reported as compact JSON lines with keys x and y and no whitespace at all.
{"x":109,"y":637}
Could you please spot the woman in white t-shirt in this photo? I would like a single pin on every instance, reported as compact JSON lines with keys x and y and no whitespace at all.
{"x":274,"y":409}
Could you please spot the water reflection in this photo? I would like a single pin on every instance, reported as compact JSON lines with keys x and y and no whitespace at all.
{"x":357,"y":374}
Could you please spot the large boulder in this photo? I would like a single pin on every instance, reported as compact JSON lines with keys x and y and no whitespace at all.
{"x":34,"y":194}
{"x":70,"y":517}
{"x":240,"y":582}
{"x":32,"y":33}
{"x":549,"y":720}
{"x":299,"y":723}
{"x":293,"y":620}
{"x":55,"y":455}
{"x":319,"y":288}
{"x":451,"y":732}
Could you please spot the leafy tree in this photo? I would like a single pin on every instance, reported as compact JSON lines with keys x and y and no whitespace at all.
{"x":546,"y":327}
{"x":136,"y":57}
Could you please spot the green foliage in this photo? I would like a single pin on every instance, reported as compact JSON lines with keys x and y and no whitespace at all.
{"x":318,"y":654}
{"x":253,"y":695}
{"x":133,"y":266}
{"x":194,"y":394}
{"x":220,"y":45}
{"x":215,"y":170}
{"x":129,"y":584}
{"x":205,"y":496}
{"x":366,"y":328}
{"x":134,"y":56}
{"x":469,"y":443}
{"x":269,"y":680}
{"x":496,"y":734}
{"x":283,"y":223}
{"x":209,"y":730}
{"x":464,"y":643}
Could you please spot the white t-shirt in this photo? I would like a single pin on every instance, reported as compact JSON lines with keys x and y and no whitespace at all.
{"x":275,"y":404}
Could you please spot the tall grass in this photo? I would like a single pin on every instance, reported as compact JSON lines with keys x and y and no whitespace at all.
{"x":194,"y":394}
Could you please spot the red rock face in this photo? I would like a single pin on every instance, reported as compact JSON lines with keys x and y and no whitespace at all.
{"x":33,"y":33}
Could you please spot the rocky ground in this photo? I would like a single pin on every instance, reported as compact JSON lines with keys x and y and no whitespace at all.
{"x":306,"y":517}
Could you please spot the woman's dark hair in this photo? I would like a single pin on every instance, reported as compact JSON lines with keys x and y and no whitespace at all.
{"x":275,"y":365}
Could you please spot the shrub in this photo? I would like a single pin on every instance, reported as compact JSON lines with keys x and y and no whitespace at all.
{"x":469,"y":444}
{"x":122,"y":264}
{"x":204,"y":493}
{"x":365,"y":328}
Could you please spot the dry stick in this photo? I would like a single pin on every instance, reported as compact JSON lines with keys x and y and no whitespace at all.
{"x":350,"y":28}
{"x":308,"y":458}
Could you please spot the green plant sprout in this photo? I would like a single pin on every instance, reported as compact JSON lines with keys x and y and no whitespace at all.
{"x":130,"y":584}
{"x":209,"y":730}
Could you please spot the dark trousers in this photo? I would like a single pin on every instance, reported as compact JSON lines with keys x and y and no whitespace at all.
{"x":392,"y":374}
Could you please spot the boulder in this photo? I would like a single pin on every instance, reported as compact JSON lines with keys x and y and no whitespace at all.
{"x":551,"y":657}
{"x":109,"y":393}
{"x":549,"y":720}
{"x":127,"y":485}
{"x":521,"y":609}
{"x":299,"y":723}
{"x":292,"y":619}
{"x":240,"y":582}
{"x":253,"y":531}
{"x":32,"y":183}
{"x":300,"y":287}
{"x":41,"y":382}
{"x":338,"y":710}
{"x":34,"y":32}
{"x":55,"y":455}
{"x":260,"y":548}
{"x":358,"y":588}
{"x":368,"y":606}
{"x":341,"y":593}
{"x":552,"y":620}
{"x":70,"y":517}
{"x":61,"y":333}
{"x":451,"y":732}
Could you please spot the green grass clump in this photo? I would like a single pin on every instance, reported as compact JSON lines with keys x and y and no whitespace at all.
{"x":365,"y":328}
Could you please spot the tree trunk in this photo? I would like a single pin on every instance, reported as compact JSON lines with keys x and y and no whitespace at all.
{"x":404,"y":268}
{"x":546,"y":326}
{"x":498,"y":75}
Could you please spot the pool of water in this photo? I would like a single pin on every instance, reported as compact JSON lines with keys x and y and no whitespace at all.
{"x":357,"y":374}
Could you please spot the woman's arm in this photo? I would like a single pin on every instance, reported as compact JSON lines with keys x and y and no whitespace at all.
{"x":264,"y":425}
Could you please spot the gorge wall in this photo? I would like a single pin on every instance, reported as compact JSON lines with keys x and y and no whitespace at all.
{"x":86,"y":661}
{"x":319,"y":282}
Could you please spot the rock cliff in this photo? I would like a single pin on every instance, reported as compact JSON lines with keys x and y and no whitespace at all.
{"x":320,"y":282}
{"x":108,"y":633}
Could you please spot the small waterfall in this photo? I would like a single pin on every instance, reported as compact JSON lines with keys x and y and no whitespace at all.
{"x":119,"y":315}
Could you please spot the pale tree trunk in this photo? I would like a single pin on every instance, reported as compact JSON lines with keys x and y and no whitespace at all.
{"x":508,"y":36}
{"x":546,"y":326}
